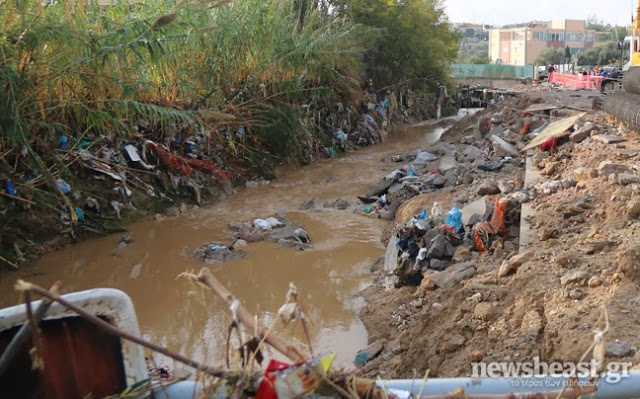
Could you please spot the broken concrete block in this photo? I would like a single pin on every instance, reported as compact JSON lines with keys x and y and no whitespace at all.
{"x":480,"y":207}
{"x":609,"y":139}
{"x":583,"y":133}
{"x":502,"y":147}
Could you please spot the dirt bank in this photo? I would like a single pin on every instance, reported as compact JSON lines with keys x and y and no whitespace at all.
{"x":582,"y":253}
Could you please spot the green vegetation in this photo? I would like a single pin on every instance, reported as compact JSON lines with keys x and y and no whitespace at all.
{"x":416,"y":40}
{"x":164,"y":68}
{"x":476,"y":53}
{"x":605,"y":54}
{"x":550,"y":55}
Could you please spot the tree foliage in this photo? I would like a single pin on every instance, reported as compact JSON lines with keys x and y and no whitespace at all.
{"x":550,"y":55}
{"x":601,"y":55}
{"x":416,"y":39}
{"x":475,"y":53}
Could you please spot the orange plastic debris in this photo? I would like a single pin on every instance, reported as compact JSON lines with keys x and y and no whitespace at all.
{"x":497,"y":220}
{"x":526,"y":128}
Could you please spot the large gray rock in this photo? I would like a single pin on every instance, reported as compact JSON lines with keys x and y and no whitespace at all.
{"x":453,"y":275}
{"x":480,"y":207}
{"x":438,"y":264}
{"x":440,"y":247}
{"x":307,"y":205}
{"x":447,"y":163}
{"x":381,"y":188}
{"x":618,"y":349}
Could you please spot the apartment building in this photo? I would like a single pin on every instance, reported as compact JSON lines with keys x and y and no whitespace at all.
{"x":521,"y":45}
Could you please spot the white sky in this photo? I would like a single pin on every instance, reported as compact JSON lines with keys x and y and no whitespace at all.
{"x":503,"y":12}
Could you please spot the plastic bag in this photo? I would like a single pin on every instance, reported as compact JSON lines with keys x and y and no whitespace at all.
{"x":497,"y":220}
{"x":273,"y":222}
{"x":454,"y":219}
{"x":63,"y":186}
{"x":261,"y":224}
{"x":9,"y":188}
{"x":424,"y":157}
{"x":423,"y":215}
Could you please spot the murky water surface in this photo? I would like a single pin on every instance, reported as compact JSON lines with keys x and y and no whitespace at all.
{"x":174,"y":313}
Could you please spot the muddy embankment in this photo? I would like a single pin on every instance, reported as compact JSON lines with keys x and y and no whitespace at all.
{"x":103,"y":184}
{"x":446,"y":296}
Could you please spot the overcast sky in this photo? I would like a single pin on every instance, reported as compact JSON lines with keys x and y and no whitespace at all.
{"x":502,"y":12}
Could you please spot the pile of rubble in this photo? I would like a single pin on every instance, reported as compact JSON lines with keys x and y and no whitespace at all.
{"x":541,"y":291}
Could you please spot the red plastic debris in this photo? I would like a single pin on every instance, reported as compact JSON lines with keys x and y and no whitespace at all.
{"x":550,"y":145}
{"x":185,"y":166}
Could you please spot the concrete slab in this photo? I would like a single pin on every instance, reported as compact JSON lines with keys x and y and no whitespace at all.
{"x":541,"y":108}
{"x":532,"y":176}
{"x":608,"y":138}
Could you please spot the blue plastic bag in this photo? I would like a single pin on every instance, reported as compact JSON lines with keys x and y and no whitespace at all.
{"x":63,"y":186}
{"x":454,"y":219}
{"x":9,"y":188}
{"x":63,"y":142}
{"x":423,"y":215}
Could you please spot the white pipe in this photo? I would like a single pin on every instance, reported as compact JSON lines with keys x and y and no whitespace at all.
{"x":626,"y":388}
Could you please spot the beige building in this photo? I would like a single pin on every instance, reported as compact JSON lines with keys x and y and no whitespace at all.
{"x":521,"y":45}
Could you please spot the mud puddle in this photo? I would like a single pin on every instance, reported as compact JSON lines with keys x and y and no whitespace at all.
{"x":174,"y":313}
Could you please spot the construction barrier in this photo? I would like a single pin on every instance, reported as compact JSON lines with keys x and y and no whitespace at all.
{"x":586,"y":82}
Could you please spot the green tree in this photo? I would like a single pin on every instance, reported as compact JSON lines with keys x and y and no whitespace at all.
{"x":619,"y":33}
{"x":567,"y":54}
{"x":473,"y":53}
{"x":416,"y":38}
{"x":550,"y":55}
{"x":600,"y":55}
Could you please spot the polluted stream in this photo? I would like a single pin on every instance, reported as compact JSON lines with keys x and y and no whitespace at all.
{"x":175,"y":313}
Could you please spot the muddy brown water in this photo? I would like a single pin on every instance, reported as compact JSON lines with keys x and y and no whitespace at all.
{"x":174,"y":313}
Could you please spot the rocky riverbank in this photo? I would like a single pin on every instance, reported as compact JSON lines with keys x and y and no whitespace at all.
{"x":456,"y":289}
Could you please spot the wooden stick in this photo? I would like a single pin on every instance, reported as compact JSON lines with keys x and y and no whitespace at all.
{"x":205,"y":277}
{"x":23,"y":333}
{"x":37,"y":353}
{"x":24,"y":286}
